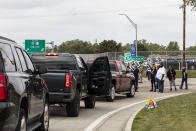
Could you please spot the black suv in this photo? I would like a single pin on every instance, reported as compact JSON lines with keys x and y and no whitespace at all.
{"x":70,"y":80}
{"x":23,"y":94}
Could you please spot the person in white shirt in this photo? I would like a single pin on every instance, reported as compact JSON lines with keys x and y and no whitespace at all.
{"x":161,"y":76}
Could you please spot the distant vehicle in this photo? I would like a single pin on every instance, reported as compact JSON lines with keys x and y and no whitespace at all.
{"x":69,"y":79}
{"x":23,"y":94}
{"x":123,"y":81}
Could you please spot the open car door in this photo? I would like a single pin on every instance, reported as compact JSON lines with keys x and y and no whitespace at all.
{"x":100,"y":78}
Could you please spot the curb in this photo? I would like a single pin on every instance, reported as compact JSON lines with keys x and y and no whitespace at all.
{"x":129,"y":124}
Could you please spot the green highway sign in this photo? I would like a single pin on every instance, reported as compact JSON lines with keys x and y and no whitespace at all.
{"x":129,"y":58}
{"x":34,"y":46}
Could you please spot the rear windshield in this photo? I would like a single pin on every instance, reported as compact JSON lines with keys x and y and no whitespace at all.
{"x":55,"y":62}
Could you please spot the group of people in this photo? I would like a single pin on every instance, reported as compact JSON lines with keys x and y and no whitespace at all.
{"x":158,"y":76}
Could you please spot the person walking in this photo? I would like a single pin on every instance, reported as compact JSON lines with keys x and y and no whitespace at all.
{"x":161,"y":75}
{"x":184,"y":78}
{"x":136,"y":71}
{"x":171,"y":74}
{"x":153,"y":75}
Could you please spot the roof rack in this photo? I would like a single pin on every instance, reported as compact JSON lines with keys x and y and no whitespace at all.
{"x":4,"y":38}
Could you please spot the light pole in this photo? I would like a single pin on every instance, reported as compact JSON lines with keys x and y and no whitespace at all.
{"x":135,"y":26}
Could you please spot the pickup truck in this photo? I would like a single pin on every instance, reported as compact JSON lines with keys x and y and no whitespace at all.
{"x":123,"y":81}
{"x":69,"y":79}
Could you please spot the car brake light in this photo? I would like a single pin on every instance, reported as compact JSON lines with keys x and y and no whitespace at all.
{"x":52,"y":54}
{"x":3,"y":87}
{"x":68,"y":81}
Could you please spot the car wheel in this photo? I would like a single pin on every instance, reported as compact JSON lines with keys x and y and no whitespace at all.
{"x":111,"y":95}
{"x":45,"y":118}
{"x":132,"y":91}
{"x":90,"y":102}
{"x":22,"y":123}
{"x":73,"y":108}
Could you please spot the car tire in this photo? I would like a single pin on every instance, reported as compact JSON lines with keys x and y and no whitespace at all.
{"x":90,"y":102}
{"x":45,"y":118}
{"x":22,"y":123}
{"x":73,"y":108}
{"x":111,"y":94}
{"x":132,"y":91}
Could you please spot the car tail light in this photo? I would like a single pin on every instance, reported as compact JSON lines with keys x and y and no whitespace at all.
{"x":68,"y":81}
{"x":3,"y":87}
{"x":52,"y":54}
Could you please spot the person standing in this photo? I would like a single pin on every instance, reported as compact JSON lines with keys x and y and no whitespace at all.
{"x":136,"y":71}
{"x":184,"y":78}
{"x":171,"y":74}
{"x":153,"y":75}
{"x":161,"y":75}
{"x":141,"y":73}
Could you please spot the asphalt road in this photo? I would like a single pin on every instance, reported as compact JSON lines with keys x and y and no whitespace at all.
{"x":115,"y":121}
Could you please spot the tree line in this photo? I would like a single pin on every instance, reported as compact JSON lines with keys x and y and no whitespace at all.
{"x":85,"y":47}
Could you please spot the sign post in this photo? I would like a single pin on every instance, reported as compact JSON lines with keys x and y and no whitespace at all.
{"x":35,"y":46}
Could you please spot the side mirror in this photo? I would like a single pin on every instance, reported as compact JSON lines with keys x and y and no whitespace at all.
{"x":42,"y":69}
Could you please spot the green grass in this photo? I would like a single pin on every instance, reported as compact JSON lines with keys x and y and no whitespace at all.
{"x":174,"y":114}
{"x":191,"y":74}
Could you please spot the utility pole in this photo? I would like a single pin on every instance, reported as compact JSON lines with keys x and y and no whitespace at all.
{"x":184,"y":32}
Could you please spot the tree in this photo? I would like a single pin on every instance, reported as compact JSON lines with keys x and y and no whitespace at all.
{"x":76,"y":47}
{"x":109,"y":46}
{"x":192,"y":3}
{"x":173,"y":46}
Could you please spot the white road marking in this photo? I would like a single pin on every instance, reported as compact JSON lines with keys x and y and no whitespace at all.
{"x":129,"y":124}
{"x":99,"y":120}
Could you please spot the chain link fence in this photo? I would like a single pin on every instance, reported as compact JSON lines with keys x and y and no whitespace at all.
{"x":168,"y":58}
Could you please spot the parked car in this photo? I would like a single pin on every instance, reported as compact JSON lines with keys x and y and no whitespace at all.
{"x":23,"y":94}
{"x":123,"y":81}
{"x":69,"y":79}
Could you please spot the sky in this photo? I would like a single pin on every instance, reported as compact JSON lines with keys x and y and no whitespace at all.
{"x":159,"y":21}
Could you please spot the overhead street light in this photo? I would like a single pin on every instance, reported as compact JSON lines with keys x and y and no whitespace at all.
{"x":135,"y":26}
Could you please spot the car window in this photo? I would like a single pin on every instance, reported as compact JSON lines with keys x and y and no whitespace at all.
{"x":18,"y":65}
{"x":21,"y":58}
{"x":112,"y":67}
{"x":119,"y":67}
{"x":123,"y":67}
{"x":29,"y":62}
{"x":83,"y":63}
{"x":7,"y":56}
{"x":79,"y":62}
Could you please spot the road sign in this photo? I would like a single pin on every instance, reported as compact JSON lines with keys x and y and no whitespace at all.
{"x":34,"y":46}
{"x":132,"y":45}
{"x":133,"y":50}
{"x":132,"y":54}
{"x":128,"y":57}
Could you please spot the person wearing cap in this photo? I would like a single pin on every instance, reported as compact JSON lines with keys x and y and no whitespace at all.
{"x":184,"y":78}
{"x":161,"y":76}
